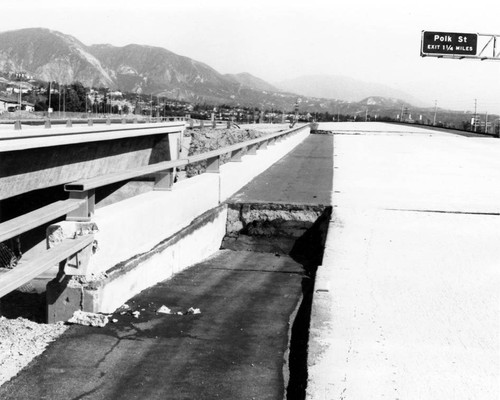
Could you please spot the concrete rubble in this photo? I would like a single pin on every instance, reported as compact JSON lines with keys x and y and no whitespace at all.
{"x":21,"y":341}
{"x":89,"y":319}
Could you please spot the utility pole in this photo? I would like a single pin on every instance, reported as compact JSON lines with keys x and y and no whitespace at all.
{"x":402,"y":111}
{"x":435,"y":111}
{"x":20,"y":94}
{"x":475,"y":114}
{"x":59,"y":100}
{"x":486,"y":123}
{"x":366,"y":115}
{"x":50,"y":91}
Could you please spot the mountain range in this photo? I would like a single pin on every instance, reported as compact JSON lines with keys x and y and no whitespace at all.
{"x":53,"y":56}
{"x":343,"y":88}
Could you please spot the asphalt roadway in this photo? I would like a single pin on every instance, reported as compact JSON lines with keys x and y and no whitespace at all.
{"x":303,"y":176}
{"x":235,"y":348}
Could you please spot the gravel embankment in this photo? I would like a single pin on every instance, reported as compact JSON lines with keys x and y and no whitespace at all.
{"x":21,"y":340}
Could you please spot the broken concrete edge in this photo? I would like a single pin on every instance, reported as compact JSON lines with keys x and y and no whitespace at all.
{"x":320,"y":328}
{"x":108,"y":291}
{"x":286,"y":355}
{"x":241,"y":215}
{"x":57,"y":233}
{"x":297,"y":230}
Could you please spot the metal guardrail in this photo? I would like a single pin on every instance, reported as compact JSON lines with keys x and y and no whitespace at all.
{"x":81,"y":203}
{"x":164,"y":171}
{"x":17,"y":123}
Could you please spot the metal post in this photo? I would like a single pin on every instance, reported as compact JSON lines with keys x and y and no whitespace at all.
{"x":252,"y":150}
{"x":213,"y":165}
{"x":164,"y":180}
{"x":86,"y":210}
{"x":236,"y":155}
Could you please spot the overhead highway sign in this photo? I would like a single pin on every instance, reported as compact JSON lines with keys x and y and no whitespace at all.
{"x":442,"y":44}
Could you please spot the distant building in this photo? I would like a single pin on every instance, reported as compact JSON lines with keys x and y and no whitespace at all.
{"x":7,"y":104}
{"x":10,"y":105}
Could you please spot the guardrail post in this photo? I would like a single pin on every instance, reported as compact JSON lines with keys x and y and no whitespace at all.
{"x":86,"y":210}
{"x":191,"y":123}
{"x":164,"y":180}
{"x":17,"y":125}
{"x":69,"y":124}
{"x":252,"y":150}
{"x":202,"y":123}
{"x":262,"y":145}
{"x":108,"y":121}
{"x":213,"y":165}
{"x":214,"y":124}
{"x":47,"y":123}
{"x":228,"y":124}
{"x":90,"y":122}
{"x":124,"y":121}
{"x":236,"y":155}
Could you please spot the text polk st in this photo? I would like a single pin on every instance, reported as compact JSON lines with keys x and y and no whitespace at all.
{"x":446,"y":38}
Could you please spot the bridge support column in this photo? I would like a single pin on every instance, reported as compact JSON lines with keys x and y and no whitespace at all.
{"x":65,"y":295}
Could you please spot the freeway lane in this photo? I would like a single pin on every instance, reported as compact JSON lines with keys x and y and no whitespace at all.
{"x":409,"y":303}
{"x":304,"y":176}
{"x":234,"y":349}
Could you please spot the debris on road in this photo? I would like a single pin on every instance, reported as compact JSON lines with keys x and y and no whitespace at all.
{"x":136,"y":314}
{"x":193,"y":311}
{"x":88,"y":319}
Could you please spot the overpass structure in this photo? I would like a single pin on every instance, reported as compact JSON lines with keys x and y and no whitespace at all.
{"x":97,"y":166}
{"x":405,"y":299}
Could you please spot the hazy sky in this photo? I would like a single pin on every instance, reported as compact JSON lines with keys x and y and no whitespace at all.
{"x":370,"y":40}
